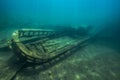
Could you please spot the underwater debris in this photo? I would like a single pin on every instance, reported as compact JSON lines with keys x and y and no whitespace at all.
{"x":3,"y":40}
{"x":3,"y":44}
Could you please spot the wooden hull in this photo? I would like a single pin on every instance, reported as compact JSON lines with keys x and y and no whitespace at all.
{"x":44,"y":45}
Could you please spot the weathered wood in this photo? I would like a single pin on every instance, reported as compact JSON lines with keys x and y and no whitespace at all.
{"x":9,"y":68}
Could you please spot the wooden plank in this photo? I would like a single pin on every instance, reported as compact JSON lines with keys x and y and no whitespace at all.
{"x":9,"y":69}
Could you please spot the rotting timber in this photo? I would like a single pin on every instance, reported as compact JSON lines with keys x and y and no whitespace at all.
{"x":41,"y":46}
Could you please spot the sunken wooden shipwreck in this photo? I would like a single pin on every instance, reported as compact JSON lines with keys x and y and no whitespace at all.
{"x":41,"y":45}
